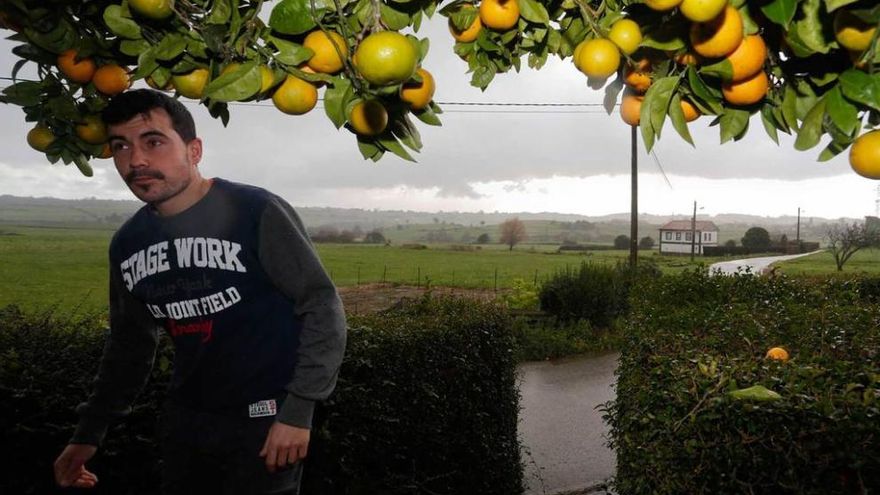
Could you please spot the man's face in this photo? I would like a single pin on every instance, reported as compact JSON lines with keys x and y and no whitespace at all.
{"x":152,"y":158}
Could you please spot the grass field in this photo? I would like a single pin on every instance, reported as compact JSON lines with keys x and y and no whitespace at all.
{"x":864,"y":261}
{"x":67,"y":268}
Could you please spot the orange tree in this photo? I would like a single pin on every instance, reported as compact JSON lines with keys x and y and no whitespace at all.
{"x":808,"y":67}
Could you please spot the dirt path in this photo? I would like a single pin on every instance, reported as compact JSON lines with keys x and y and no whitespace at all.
{"x":369,"y":298}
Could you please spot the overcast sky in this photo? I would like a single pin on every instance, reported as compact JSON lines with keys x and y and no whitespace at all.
{"x":563,"y":159}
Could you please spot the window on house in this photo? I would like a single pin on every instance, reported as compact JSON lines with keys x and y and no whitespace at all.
{"x":687,"y":236}
{"x":707,"y":236}
{"x":678,"y":236}
{"x":669,"y":236}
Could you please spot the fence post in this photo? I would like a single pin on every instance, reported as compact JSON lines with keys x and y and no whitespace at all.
{"x":536,"y":278}
{"x":359,"y":276}
{"x":384,"y":272}
{"x":453,"y":276}
{"x":419,"y":278}
{"x":496,"y":279}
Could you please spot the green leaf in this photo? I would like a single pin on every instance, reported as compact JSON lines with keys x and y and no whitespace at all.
{"x":711,"y":97}
{"x":393,"y":19}
{"x":237,"y":85}
{"x":220,"y":12}
{"x":171,"y":46}
{"x":832,"y":5}
{"x":789,"y":107}
{"x":133,"y":48}
{"x":811,"y":128}
{"x":676,"y":115}
{"x":757,"y":393}
{"x":295,"y":16}
{"x":734,"y":124}
{"x":83,"y":165}
{"x":428,"y":116}
{"x":809,"y":29}
{"x":482,"y":77}
{"x":119,"y":24}
{"x":723,"y":69}
{"x":861,"y":87}
{"x":749,"y":25}
{"x":612,"y":91}
{"x":769,"y":123}
{"x":336,"y":98}
{"x":781,"y":11}
{"x":390,"y":143}
{"x":833,"y":149}
{"x":533,"y":11}
{"x":24,"y":94}
{"x":463,"y":18}
{"x":843,"y":114}
{"x":290,"y":53}
{"x":656,"y":103}
{"x":146,"y":64}
{"x":369,"y":149}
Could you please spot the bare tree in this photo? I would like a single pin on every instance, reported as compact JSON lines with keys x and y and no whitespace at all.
{"x":512,"y":232}
{"x":844,"y":240}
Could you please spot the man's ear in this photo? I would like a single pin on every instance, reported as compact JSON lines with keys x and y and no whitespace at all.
{"x":194,"y":150}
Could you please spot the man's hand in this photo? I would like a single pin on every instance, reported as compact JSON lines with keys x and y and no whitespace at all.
{"x":70,"y":467}
{"x":285,"y":445}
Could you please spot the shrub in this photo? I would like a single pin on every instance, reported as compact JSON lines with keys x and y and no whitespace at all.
{"x":596,"y":293}
{"x":692,"y":339}
{"x":427,"y":402}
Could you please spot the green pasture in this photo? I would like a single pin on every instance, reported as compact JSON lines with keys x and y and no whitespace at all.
{"x":67,"y":268}
{"x":864,"y":261}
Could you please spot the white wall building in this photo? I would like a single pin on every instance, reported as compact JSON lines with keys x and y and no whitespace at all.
{"x":675,"y":236}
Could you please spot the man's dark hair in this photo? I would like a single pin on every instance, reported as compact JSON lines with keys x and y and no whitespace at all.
{"x":126,"y":106}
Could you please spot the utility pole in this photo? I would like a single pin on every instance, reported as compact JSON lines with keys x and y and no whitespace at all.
{"x":799,"y":226}
{"x":634,"y":205}
{"x":693,"y":231}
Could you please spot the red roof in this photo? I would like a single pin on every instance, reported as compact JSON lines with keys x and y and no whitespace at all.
{"x":702,"y":226}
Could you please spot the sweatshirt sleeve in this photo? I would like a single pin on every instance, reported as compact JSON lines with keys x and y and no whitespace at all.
{"x":290,"y":260}
{"x":125,"y":365}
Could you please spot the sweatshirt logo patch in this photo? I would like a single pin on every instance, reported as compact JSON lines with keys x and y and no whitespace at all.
{"x":262,"y":408}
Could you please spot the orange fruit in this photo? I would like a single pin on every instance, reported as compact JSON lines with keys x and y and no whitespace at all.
{"x":295,"y":96}
{"x":597,"y":58}
{"x":864,"y":156}
{"x":418,"y":95}
{"x":106,"y":152}
{"x":687,"y":58}
{"x":631,"y":108}
{"x":638,"y":78}
{"x":662,"y":5}
{"x":499,"y":15}
{"x":748,"y":58}
{"x":40,"y":138}
{"x":748,"y":91}
{"x":368,"y":118}
{"x":192,"y":84}
{"x":111,"y":79}
{"x":718,"y":37}
{"x":701,"y":10}
{"x":778,"y":354}
{"x":327,"y":47}
{"x":626,"y":34}
{"x":386,"y":58}
{"x":92,"y":129}
{"x":79,"y":71}
{"x":851,"y":32}
{"x":152,"y":9}
{"x":469,"y":34}
{"x":690,"y":111}
{"x":267,"y":78}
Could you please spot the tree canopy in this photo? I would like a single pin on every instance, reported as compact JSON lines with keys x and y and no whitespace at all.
{"x":806,"y":67}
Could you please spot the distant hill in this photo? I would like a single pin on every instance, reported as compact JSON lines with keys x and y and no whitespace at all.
{"x":415,"y":226}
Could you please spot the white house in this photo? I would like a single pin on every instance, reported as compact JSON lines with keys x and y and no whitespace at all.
{"x":675,"y":236}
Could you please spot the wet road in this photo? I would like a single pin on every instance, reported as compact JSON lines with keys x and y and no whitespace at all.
{"x":755,"y":266}
{"x":560,"y":425}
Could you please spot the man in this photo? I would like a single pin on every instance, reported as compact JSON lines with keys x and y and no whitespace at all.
{"x":229,"y":272}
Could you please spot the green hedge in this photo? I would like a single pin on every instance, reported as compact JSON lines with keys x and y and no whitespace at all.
{"x":426,"y":403}
{"x":597,"y":293}
{"x":692,"y":339}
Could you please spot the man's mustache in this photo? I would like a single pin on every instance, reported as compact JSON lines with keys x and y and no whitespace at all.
{"x":136,"y":174}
